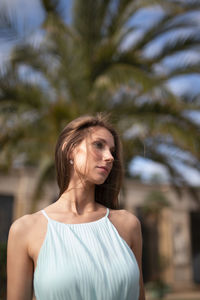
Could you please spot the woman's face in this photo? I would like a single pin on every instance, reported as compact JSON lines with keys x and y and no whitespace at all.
{"x":93,"y":157}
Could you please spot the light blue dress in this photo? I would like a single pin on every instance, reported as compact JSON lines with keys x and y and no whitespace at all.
{"x":86,"y":261}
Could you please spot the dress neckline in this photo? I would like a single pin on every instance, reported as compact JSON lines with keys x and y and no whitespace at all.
{"x":76,"y":224}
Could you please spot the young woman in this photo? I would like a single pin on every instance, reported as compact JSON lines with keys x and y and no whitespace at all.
{"x":81,"y":247}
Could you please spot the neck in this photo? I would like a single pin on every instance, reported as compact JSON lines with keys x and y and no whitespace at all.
{"x":78,"y":198}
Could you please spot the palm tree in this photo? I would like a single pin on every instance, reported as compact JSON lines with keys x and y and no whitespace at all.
{"x":95,"y":63}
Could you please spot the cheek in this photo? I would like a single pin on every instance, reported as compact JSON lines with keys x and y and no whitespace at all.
{"x":96,"y":154}
{"x":83,"y":160}
{"x":80,"y":159}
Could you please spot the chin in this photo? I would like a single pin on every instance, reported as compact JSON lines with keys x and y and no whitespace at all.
{"x":99,"y":181}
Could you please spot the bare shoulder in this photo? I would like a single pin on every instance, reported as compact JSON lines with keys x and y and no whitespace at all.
{"x":132,"y":219}
{"x":128,"y":218}
{"x":23,"y":225}
{"x":128,"y":225}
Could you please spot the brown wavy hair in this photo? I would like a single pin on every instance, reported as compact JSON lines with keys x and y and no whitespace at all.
{"x":72,"y":135}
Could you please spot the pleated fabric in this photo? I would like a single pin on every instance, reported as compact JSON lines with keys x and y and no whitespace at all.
{"x":86,"y":261}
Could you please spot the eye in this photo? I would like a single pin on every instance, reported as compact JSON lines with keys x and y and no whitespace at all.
{"x":98,"y":145}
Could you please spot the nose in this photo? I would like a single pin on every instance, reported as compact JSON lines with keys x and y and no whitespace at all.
{"x":108,"y":156}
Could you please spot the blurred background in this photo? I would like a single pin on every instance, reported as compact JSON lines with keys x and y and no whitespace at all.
{"x":139,"y":61}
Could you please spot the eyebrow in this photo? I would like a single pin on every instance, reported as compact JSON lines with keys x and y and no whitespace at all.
{"x":105,"y":142}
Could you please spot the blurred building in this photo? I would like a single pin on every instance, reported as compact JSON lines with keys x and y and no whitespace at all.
{"x":171,"y":235}
{"x":170,"y":224}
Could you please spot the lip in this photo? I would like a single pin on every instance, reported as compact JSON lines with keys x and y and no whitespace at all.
{"x":105,"y":169}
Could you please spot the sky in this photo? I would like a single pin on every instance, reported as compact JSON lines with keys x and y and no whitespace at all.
{"x":149,"y":171}
{"x":27,"y":22}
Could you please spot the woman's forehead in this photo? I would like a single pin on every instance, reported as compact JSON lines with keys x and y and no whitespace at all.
{"x":102,"y":133}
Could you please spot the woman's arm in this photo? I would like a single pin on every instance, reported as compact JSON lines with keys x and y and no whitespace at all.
{"x":19,"y":263}
{"x":136,"y":247}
